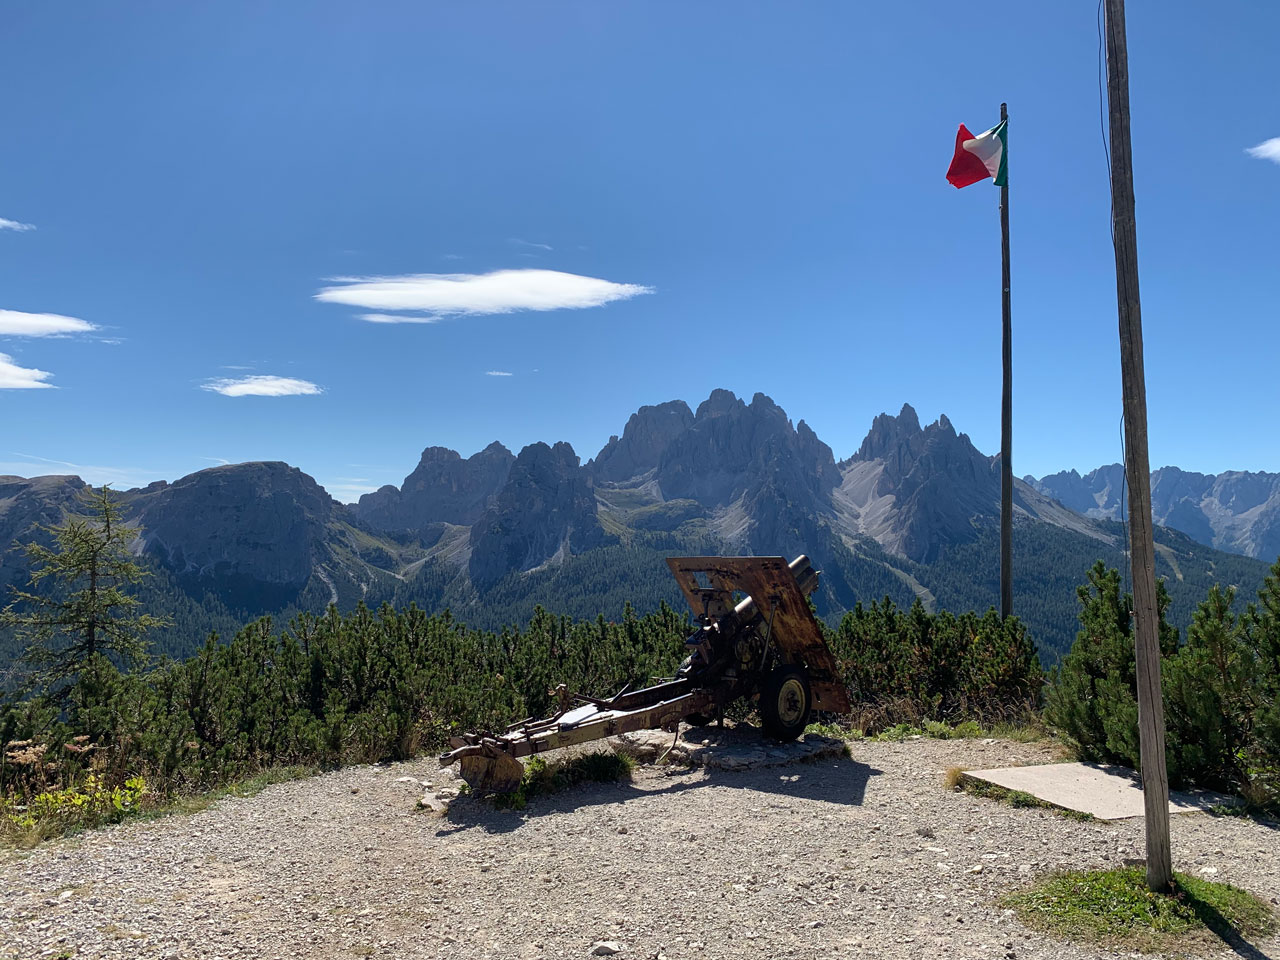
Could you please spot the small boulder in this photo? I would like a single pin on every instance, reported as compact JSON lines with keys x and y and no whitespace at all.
{"x":437,"y":805}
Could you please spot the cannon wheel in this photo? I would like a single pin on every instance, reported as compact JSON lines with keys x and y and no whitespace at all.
{"x":785,"y":702}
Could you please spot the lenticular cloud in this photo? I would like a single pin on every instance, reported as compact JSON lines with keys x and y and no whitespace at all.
{"x":1267,"y":150}
{"x":263,"y":386}
{"x":15,"y":323}
{"x":14,"y":377}
{"x":475,"y":294}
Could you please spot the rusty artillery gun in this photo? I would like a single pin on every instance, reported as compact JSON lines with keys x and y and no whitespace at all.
{"x":757,"y":640}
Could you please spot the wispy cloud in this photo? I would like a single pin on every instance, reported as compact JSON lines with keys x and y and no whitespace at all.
{"x":262,"y":386}
{"x":498,"y":373}
{"x":14,"y":377}
{"x":15,"y":323}
{"x":29,"y":465}
{"x":347,"y":492}
{"x":1267,"y":150}
{"x":218,"y":460}
{"x":517,"y":242}
{"x":396,"y":318}
{"x":15,"y":225}
{"x":438,"y":295}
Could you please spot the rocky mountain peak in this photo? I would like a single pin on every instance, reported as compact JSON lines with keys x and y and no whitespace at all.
{"x":647,"y":434}
{"x":539,"y":462}
{"x":442,"y":488}
{"x":813,"y":451}
{"x":940,"y":486}
{"x":243,"y":525}
{"x":1234,"y":510}
{"x":763,"y":406}
{"x":438,"y":455}
{"x":723,"y":448}
{"x":888,"y":433}
{"x":544,"y":512}
{"x":1095,"y":494}
{"x":719,"y":404}
{"x":23,"y":504}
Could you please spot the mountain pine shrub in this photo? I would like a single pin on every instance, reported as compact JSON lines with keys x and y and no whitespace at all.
{"x":1220,"y":687}
{"x":908,"y":666}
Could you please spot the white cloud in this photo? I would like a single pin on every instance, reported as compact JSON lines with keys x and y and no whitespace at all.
{"x":396,"y":318}
{"x":14,"y":377}
{"x":262,"y":386}
{"x":517,"y":242}
{"x":1267,"y":150}
{"x":15,"y":323}
{"x":15,"y":225}
{"x":470,"y":294}
{"x":497,"y":373}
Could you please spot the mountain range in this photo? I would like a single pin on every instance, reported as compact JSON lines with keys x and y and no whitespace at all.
{"x":1235,"y":511}
{"x":913,"y":513}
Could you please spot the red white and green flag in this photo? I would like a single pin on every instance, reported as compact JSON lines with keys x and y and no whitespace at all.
{"x":986,"y":155}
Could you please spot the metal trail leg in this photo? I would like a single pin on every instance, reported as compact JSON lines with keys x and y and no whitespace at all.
{"x":673,"y":744}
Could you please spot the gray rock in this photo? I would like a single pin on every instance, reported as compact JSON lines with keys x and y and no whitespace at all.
{"x":443,"y":488}
{"x":645,"y":438}
{"x":242,"y":528}
{"x":545,"y":513}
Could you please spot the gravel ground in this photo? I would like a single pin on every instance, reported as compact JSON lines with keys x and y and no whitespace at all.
{"x":867,"y":856}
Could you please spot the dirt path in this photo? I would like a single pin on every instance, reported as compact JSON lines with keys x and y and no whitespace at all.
{"x":866,"y":856}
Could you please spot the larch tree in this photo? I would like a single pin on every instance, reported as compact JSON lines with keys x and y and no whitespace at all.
{"x":76,"y":604}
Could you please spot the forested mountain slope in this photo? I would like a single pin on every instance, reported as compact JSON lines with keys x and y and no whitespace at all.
{"x":914,"y":512}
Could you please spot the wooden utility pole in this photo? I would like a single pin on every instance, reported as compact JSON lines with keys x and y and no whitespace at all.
{"x":1155,"y":773}
{"x":1006,"y":409}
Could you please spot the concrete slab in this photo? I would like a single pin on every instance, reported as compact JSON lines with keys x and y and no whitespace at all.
{"x":1107,"y":792}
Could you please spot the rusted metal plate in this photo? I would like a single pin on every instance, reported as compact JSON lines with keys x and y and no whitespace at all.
{"x":771,"y":583}
{"x":491,"y":770}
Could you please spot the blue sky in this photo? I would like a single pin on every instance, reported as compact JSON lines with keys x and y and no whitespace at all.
{"x":742,"y":195}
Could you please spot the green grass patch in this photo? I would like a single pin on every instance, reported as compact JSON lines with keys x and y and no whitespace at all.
{"x":1032,"y":731}
{"x":28,"y":821}
{"x":1115,"y":908}
{"x":932,"y":729}
{"x":64,"y":813}
{"x":835,"y":731}
{"x":964,"y":730}
{"x":957,"y":779}
{"x":542,"y":778}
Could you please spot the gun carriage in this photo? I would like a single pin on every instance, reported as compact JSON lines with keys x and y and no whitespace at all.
{"x":757,"y":640}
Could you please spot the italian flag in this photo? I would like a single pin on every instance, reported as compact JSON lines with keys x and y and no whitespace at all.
{"x":986,"y":155}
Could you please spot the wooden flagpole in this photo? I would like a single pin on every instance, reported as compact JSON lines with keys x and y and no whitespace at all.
{"x":1155,"y":773}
